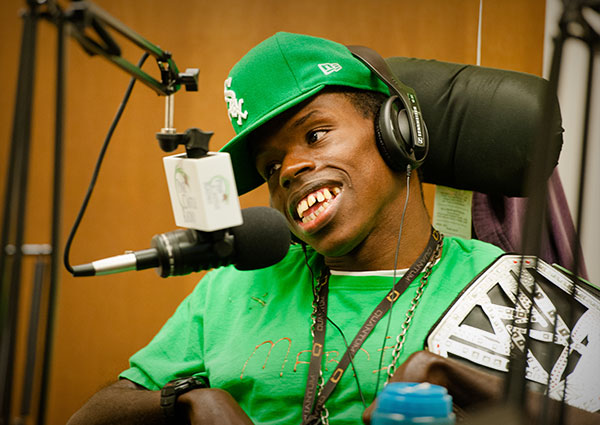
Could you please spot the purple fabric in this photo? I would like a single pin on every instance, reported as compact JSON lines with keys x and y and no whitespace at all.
{"x":498,"y":220}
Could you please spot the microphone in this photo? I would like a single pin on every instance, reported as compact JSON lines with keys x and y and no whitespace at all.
{"x":261,"y":241}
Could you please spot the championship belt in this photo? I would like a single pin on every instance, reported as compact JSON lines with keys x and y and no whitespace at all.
{"x":564,"y":336}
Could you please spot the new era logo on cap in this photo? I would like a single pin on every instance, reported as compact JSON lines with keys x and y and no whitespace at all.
{"x":328,"y":68}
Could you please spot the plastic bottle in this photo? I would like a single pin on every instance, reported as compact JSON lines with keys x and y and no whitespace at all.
{"x":403,"y":403}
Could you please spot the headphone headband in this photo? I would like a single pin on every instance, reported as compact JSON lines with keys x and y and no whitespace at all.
{"x":412,"y":149}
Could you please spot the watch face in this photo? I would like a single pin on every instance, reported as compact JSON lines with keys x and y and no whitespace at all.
{"x":492,"y":315}
{"x":182,"y":385}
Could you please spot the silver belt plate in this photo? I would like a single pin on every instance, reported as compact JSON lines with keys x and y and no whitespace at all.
{"x":491,"y":313}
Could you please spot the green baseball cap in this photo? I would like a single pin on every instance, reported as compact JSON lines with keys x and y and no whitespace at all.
{"x":277,"y":74}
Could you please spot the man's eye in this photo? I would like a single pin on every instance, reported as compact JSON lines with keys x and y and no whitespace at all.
{"x":271,"y":169}
{"x":315,"y":136}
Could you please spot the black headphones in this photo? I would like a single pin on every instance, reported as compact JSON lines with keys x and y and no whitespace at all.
{"x":400,"y":131}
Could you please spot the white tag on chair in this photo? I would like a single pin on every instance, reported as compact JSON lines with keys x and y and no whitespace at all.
{"x":452,"y":211}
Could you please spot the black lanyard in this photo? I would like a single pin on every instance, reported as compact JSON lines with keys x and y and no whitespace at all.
{"x":314,"y":368}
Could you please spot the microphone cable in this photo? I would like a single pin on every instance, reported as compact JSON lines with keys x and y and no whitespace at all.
{"x":96,"y":171}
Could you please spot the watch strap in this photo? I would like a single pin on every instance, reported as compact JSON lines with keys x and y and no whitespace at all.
{"x":173,"y":389}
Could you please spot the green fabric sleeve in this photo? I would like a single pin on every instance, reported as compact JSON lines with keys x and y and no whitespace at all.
{"x":177,"y":349}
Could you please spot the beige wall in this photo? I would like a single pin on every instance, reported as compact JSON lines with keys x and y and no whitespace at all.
{"x":101,"y":321}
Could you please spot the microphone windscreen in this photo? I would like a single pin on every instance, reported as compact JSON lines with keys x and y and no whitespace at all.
{"x":263,"y":239}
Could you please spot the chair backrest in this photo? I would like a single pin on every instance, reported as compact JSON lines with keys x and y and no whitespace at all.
{"x":483,"y":124}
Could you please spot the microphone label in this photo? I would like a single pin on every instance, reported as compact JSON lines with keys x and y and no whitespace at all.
{"x":203,"y":191}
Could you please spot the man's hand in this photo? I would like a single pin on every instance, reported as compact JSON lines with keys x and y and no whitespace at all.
{"x":125,"y":402}
{"x":468,"y":387}
{"x":212,"y":406}
{"x":472,"y":390}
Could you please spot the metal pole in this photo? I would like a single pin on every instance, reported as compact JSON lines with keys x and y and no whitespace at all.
{"x":56,"y":221}
{"x":13,"y":225}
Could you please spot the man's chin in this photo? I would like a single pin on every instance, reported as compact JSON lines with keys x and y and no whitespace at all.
{"x":330,"y":248}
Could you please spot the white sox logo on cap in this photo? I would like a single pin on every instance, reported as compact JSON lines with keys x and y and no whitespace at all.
{"x":234,"y":105}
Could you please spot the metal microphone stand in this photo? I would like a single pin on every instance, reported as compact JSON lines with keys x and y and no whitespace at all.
{"x":81,"y":17}
{"x":573,"y":24}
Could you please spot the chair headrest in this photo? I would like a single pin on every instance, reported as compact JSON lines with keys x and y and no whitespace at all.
{"x":482,"y":122}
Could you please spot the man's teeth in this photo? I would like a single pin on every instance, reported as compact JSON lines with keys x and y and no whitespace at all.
{"x":302,"y":206}
{"x":315,"y":214}
{"x":322,"y":195}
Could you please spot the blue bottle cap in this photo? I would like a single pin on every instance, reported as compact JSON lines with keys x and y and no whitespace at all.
{"x":413,"y":399}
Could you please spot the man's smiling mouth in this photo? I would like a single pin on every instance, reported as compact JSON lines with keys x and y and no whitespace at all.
{"x":312,"y":205}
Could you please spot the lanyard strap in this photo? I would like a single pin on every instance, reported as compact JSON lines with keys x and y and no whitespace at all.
{"x":315,"y":375}
{"x":314,"y":369}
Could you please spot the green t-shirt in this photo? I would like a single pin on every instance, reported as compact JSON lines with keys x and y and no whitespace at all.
{"x":249,"y":332}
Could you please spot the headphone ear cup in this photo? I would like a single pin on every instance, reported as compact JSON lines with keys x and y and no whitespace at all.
{"x":403,"y":128}
{"x":393,"y":135}
{"x":383,"y":151}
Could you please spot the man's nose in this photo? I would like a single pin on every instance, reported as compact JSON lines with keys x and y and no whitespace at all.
{"x":294,"y":165}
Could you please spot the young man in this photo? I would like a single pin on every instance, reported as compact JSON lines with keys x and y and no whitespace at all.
{"x":270,"y":343}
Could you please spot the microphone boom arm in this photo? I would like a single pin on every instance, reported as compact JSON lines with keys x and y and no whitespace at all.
{"x":83,"y":14}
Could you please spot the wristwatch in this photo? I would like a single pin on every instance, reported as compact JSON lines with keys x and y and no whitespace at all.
{"x":173,"y":389}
